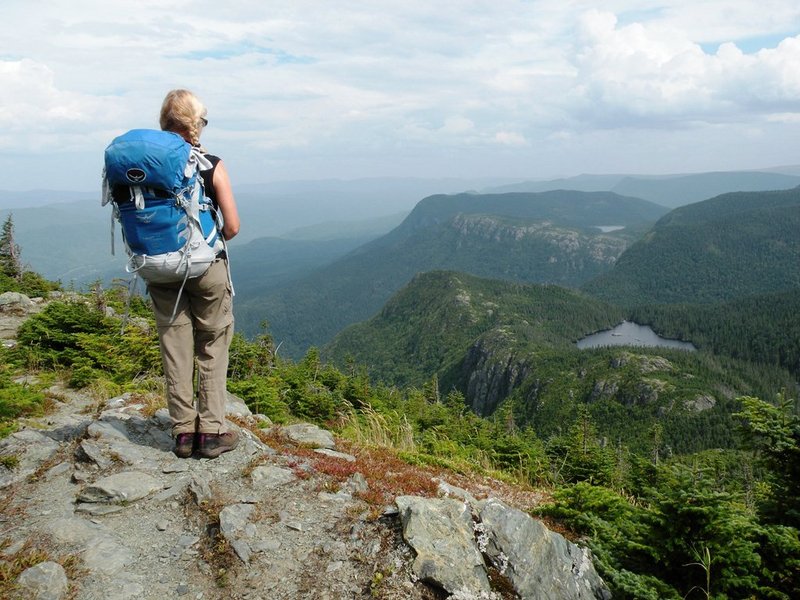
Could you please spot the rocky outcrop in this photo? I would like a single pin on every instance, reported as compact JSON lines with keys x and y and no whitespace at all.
{"x":441,"y":533}
{"x":108,"y":494}
{"x":539,"y":563}
{"x":14,"y":309}
{"x":701,"y":402}
{"x":456,"y":541}
{"x":570,"y":246}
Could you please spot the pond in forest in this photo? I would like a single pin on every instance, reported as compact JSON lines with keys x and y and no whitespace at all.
{"x":631,"y":334}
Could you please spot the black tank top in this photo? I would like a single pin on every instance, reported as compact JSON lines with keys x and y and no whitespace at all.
{"x":208,"y":178}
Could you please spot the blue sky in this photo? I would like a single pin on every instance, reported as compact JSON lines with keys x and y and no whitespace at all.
{"x":497,"y":88}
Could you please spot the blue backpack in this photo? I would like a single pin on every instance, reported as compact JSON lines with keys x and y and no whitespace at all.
{"x":170,"y":228}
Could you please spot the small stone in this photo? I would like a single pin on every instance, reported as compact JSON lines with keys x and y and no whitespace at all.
{"x":118,"y":401}
{"x":182,"y":589}
{"x":334,"y":566}
{"x":242,"y":550}
{"x":186,"y":540}
{"x":200,"y":490}
{"x":358,"y":483}
{"x":335,"y":454}
{"x":270,"y":477}
{"x":306,"y":434}
{"x":233,"y":519}
{"x":80,"y":476}
{"x":175,"y":467}
{"x":162,"y":525}
{"x":47,"y":580}
{"x":98,"y":508}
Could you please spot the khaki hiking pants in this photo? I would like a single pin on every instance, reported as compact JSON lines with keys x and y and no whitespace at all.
{"x":202,"y":329}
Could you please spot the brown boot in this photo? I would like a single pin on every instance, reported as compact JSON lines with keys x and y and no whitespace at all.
{"x":184,"y":445}
{"x":211,"y":445}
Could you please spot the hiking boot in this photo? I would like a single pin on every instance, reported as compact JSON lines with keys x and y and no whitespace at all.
{"x":213,"y":444}
{"x":184,"y":445}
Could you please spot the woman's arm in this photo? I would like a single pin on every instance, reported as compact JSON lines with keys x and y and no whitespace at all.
{"x":226,"y":201}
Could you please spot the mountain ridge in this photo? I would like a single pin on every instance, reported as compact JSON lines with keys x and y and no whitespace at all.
{"x":733,"y":245}
{"x":674,"y":190}
{"x":498,"y":342}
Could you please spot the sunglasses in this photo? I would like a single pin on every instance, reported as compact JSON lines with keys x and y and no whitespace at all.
{"x":204,"y":121}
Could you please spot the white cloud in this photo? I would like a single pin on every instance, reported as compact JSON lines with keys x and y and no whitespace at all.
{"x":633,"y":73}
{"x":510,"y":138}
{"x":36,"y":114}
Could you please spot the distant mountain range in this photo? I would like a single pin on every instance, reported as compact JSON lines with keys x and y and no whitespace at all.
{"x":314,"y":257}
{"x":671,"y":191}
{"x":67,"y":235}
{"x":555,"y":237}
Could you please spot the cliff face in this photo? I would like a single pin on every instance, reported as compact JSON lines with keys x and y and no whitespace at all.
{"x":572,"y":248}
{"x":489,"y":374}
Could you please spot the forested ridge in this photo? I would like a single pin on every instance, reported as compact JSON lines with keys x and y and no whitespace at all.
{"x":430,"y":323}
{"x":498,"y":342}
{"x":764,"y":329}
{"x":728,"y":247}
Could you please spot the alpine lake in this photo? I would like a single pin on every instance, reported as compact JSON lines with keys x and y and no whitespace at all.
{"x":631,"y":334}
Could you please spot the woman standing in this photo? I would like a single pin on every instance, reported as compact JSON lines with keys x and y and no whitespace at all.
{"x":203,"y":324}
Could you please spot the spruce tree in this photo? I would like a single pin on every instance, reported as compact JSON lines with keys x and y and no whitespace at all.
{"x":10,"y":265}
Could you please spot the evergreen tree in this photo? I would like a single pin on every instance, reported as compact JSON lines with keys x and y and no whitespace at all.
{"x":707,"y":542}
{"x":10,"y":265}
{"x":580,"y":454}
{"x":773,"y":432}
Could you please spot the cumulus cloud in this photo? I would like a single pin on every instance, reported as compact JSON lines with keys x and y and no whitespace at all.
{"x":634,"y":73}
{"x":36,"y":114}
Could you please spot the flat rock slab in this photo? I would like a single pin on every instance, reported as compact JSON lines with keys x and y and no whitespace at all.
{"x":127,"y":486}
{"x":105,"y":430}
{"x":31,"y":449}
{"x":306,"y":434}
{"x":100,"y":550}
{"x":269,"y":476}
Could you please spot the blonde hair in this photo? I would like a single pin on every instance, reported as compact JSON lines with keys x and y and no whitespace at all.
{"x":182,"y":113}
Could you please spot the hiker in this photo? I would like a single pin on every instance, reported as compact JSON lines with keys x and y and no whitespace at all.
{"x":197,"y":320}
